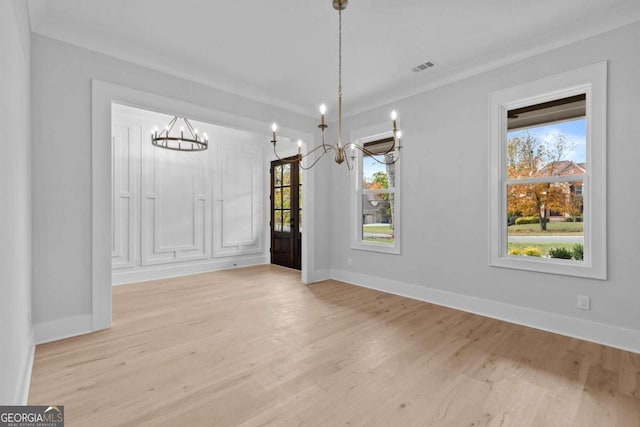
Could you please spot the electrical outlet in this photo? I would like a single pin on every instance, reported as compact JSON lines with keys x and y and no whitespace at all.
{"x":584,"y":302}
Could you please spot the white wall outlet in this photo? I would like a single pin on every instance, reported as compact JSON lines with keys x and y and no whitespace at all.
{"x":584,"y":302}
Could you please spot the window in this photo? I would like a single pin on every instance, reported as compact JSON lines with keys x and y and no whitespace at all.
{"x":376,"y":198}
{"x":547,"y":170}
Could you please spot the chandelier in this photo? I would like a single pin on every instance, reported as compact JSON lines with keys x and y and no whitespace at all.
{"x":390,"y":156}
{"x":170,"y":140}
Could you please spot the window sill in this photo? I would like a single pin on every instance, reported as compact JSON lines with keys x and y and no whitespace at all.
{"x":551,"y":266}
{"x":377,"y":247}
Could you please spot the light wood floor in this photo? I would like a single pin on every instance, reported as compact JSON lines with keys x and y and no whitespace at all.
{"x":254,"y":347}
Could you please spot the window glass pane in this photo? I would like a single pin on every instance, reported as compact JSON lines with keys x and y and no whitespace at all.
{"x":286,"y":174}
{"x":286,"y":197}
{"x":278,"y":176}
{"x":547,"y":139}
{"x":277,"y":196}
{"x":286,"y":220}
{"x":376,"y":174}
{"x":545,"y":220}
{"x":378,"y":218}
{"x":277,"y":220}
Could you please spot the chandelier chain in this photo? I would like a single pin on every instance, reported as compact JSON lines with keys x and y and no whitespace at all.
{"x":340,"y":53}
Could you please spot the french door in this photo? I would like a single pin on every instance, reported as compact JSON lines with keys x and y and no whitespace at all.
{"x":286,"y":213}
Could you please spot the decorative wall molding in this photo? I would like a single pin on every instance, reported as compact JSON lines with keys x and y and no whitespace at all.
{"x":181,"y":208}
{"x":175,"y":203}
{"x":625,"y":339}
{"x":123,"y":182}
{"x":238,"y":225}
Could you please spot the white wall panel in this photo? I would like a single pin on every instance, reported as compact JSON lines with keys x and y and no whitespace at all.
{"x":238,"y":211}
{"x":125,"y":141}
{"x":163,"y":220}
{"x":174,"y":205}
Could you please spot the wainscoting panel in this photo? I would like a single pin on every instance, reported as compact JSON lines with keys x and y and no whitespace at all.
{"x":238,"y":201}
{"x":176,"y":212}
{"x":125,"y":141}
{"x":175,"y":204}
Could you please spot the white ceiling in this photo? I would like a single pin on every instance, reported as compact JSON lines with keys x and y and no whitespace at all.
{"x":285,"y":51}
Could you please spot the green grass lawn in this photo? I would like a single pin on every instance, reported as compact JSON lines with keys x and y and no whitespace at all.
{"x":380,"y":229}
{"x":553,"y":228}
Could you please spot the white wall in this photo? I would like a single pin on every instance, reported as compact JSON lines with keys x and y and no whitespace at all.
{"x":15,"y":203}
{"x":177,"y":213}
{"x":61,"y":86}
{"x":445,"y":204}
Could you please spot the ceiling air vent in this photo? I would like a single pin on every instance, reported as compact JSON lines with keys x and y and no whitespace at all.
{"x":422,"y":66}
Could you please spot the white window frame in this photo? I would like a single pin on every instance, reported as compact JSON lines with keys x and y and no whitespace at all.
{"x":356,"y":199}
{"x":591,"y":80}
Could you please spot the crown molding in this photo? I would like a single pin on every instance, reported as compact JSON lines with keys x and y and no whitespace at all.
{"x":618,"y":17}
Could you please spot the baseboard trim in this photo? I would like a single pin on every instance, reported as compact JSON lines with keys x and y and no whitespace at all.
{"x":320,"y":275}
{"x":600,"y":333}
{"x":22,"y":393}
{"x":122,"y":277}
{"x":59,"y":329}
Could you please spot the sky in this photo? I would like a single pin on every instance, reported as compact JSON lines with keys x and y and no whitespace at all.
{"x":575,"y":131}
{"x":370,"y":166}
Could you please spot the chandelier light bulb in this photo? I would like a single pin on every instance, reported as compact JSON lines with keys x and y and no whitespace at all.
{"x":274,"y":127}
{"x":394,"y":115}
{"x":195,"y":131}
{"x":299,"y":143}
{"x":399,"y":134}
{"x":323,"y":108}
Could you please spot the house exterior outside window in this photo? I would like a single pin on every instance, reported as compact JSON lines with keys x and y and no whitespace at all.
{"x":547,"y":174}
{"x":375,"y":197}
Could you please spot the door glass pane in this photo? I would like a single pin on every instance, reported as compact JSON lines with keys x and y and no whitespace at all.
{"x":278,"y":176}
{"x":286,"y":197}
{"x":286,"y":174}
{"x":277,"y":198}
{"x":277,"y":220}
{"x":286,"y":220}
{"x":300,"y":221}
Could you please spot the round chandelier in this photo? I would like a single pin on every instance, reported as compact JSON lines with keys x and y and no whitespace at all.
{"x":169,"y":139}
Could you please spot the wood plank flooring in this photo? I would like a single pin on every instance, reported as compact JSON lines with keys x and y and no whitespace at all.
{"x":255,"y":347}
